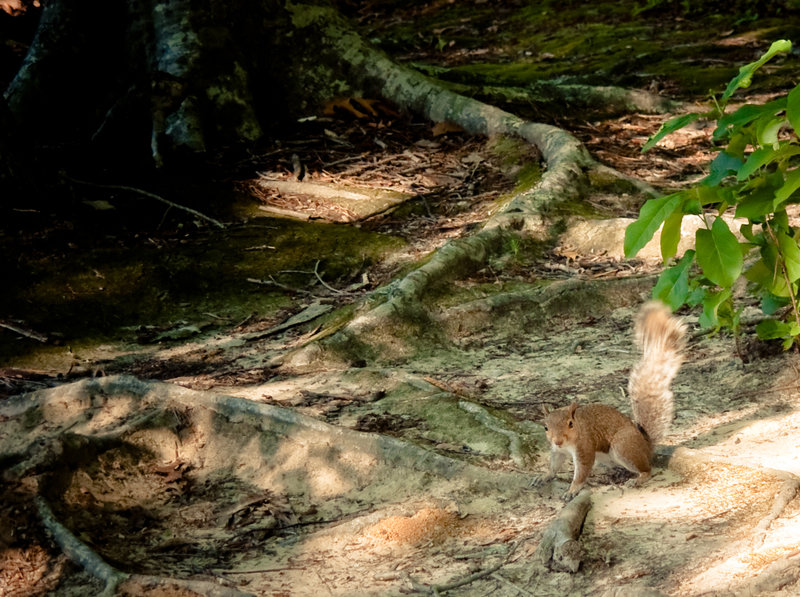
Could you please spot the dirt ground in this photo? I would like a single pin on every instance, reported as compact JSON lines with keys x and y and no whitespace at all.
{"x":387,"y":478}
{"x":196,"y":492}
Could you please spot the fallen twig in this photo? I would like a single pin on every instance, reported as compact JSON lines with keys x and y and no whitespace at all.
{"x":273,"y":282}
{"x":150,"y":195}
{"x":263,"y":570}
{"x":310,"y":313}
{"x":321,"y":281}
{"x":517,"y":588}
{"x":23,"y":331}
{"x":439,"y":589}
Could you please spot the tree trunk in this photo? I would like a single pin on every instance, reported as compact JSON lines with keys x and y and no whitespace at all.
{"x":160,"y":81}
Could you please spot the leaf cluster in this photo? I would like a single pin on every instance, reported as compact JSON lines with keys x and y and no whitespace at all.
{"x":755,"y":176}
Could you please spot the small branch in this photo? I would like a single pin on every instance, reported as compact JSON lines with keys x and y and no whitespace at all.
{"x":785,"y":274}
{"x":150,"y":195}
{"x":517,"y":588}
{"x":142,"y":584}
{"x":438,"y":589}
{"x":263,"y":570}
{"x":23,"y":331}
{"x":321,"y":281}
{"x":273,"y":282}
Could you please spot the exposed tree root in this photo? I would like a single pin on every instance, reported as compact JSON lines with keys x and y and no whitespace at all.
{"x":684,"y":459}
{"x":559,"y":548}
{"x":554,"y":97}
{"x":774,"y":578}
{"x":77,"y":551}
{"x":791,"y":485}
{"x":571,"y":171}
{"x":87,"y":418}
{"x":601,"y":101}
{"x":116,"y":581}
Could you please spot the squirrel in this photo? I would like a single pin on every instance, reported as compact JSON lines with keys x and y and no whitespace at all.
{"x":584,"y":432}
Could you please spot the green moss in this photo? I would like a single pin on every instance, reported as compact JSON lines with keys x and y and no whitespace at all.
{"x":91,"y":295}
{"x":606,"y":43}
{"x":518,"y":161}
{"x":465,"y":293}
{"x":443,"y":421}
{"x":529,"y":174}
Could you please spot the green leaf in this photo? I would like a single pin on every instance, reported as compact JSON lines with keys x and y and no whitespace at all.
{"x":735,"y":120}
{"x":767,"y":272}
{"x":767,"y":132}
{"x":793,"y":108}
{"x":763,"y":276}
{"x":671,"y":235}
{"x":719,"y":254}
{"x":692,"y":206}
{"x":701,"y":195}
{"x":711,"y":305}
{"x":772,"y":329}
{"x":746,"y":72}
{"x":652,"y":214}
{"x":757,"y":159}
{"x":723,"y":165}
{"x":769,"y":329}
{"x":790,"y":185}
{"x":780,"y":220}
{"x":672,"y":287}
{"x":757,"y":205}
{"x":670,"y":126}
{"x":791,"y":255}
{"x":771,"y":303}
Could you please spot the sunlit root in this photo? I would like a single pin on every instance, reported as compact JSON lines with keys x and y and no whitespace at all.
{"x":559,"y":548}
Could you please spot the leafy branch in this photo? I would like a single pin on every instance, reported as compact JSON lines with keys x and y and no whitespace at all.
{"x":755,"y":177}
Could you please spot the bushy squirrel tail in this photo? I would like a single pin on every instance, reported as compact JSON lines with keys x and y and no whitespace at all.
{"x":661,"y":338}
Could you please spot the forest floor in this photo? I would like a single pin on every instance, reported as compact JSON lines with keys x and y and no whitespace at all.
{"x":248,"y":505}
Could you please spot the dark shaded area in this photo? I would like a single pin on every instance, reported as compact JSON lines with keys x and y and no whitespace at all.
{"x":84,"y":264}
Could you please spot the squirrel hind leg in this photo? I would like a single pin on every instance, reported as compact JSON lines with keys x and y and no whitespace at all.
{"x":632,"y":451}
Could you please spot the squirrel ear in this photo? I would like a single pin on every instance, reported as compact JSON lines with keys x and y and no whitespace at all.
{"x":545,"y":410}
{"x":571,"y":410}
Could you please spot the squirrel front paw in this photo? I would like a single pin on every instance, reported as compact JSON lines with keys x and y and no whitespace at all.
{"x":572,"y":492}
{"x":569,"y":496}
{"x":540,"y":480}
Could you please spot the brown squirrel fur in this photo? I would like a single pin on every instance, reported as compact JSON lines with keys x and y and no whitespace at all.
{"x":584,"y":432}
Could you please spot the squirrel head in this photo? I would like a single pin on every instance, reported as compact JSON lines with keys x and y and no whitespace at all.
{"x":559,"y":425}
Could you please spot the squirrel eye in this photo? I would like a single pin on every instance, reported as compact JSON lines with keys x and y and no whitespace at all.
{"x":570,"y":424}
{"x":545,"y":427}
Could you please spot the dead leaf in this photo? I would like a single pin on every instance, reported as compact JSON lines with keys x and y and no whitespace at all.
{"x":172,"y":471}
{"x":442,"y":128}
{"x":361,"y":108}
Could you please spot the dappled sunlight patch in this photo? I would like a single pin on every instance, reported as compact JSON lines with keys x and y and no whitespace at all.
{"x":730,"y":490}
{"x":745,"y":567}
{"x":180,"y":482}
